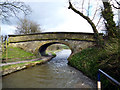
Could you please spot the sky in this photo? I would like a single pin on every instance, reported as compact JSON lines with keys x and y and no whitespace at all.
{"x":53,"y":16}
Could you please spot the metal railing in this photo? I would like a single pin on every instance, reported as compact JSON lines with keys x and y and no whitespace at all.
{"x":115,"y":82}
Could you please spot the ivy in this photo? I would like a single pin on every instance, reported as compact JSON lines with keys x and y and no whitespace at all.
{"x":110,"y":24}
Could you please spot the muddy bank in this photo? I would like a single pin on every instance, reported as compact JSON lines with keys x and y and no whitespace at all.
{"x":10,"y":68}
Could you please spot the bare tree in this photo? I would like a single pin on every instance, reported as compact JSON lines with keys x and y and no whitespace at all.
{"x":118,"y":3}
{"x":10,"y":8}
{"x":87,"y":17}
{"x":26,"y":26}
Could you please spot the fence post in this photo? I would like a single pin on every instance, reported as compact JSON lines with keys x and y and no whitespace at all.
{"x":6,"y":42}
{"x":98,"y":82}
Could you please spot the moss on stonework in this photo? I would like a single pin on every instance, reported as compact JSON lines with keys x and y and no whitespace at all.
{"x":72,"y":36}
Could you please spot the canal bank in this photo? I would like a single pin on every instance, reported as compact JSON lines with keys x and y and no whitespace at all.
{"x":91,"y":59}
{"x":16,"y":59}
{"x":54,"y":74}
{"x":9,"y":68}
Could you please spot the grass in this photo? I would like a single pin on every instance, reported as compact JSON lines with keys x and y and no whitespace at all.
{"x":65,"y":46}
{"x":91,"y":59}
{"x":53,"y":54}
{"x":17,"y":67}
{"x":20,"y":64}
{"x":17,"y":54}
{"x":87,"y":61}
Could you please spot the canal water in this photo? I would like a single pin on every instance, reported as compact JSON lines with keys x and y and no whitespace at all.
{"x":53,"y":74}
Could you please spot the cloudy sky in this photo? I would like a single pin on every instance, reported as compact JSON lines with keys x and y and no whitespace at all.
{"x":53,"y":16}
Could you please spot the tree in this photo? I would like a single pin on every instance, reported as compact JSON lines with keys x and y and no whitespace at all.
{"x":116,"y":6}
{"x":86,"y":17}
{"x":26,"y":26}
{"x":10,"y":8}
{"x":113,"y":30}
{"x":108,"y":16}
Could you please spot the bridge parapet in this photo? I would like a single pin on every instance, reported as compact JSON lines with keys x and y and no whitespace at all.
{"x":52,"y":36}
{"x":38,"y":43}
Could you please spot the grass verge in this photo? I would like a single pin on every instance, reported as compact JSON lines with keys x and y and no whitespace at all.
{"x":7,"y":69}
{"x":91,"y":59}
{"x":16,"y":54}
{"x":20,"y":64}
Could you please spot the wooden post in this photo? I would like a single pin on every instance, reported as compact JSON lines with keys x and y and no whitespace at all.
{"x":6,"y":51}
{"x":2,"y":43}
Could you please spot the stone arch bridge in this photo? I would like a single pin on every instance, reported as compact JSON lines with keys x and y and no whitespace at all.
{"x":38,"y":43}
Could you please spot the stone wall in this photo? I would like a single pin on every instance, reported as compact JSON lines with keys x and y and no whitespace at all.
{"x":52,"y":36}
{"x":34,"y":46}
{"x":38,"y":43}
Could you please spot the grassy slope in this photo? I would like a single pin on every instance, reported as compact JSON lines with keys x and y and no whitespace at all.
{"x":17,"y":54}
{"x":91,"y":59}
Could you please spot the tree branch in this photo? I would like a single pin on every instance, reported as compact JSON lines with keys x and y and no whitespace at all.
{"x":115,"y":6}
{"x":88,"y":8}
{"x":98,"y":21}
{"x":82,"y":5}
{"x":117,"y":3}
{"x":12,"y":8}
{"x":86,"y":18}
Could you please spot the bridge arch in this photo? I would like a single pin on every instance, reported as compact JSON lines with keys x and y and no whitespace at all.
{"x":43,"y":48}
{"x":37,"y":43}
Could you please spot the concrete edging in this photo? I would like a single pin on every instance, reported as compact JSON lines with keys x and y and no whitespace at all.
{"x":25,"y":66}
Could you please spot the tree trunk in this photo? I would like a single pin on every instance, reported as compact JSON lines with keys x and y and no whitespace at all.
{"x":96,"y":34}
{"x":107,"y":14}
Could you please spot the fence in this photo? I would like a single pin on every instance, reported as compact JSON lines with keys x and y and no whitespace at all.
{"x":115,"y":82}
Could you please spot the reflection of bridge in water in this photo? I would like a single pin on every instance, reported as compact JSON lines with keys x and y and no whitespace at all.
{"x":38,"y":43}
